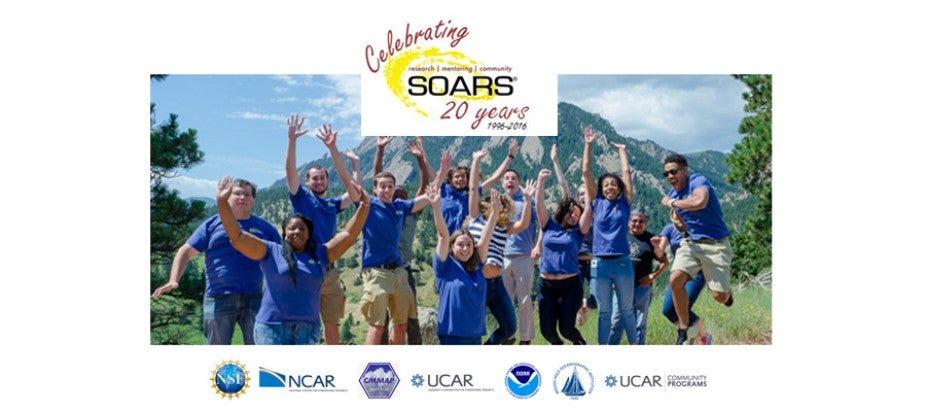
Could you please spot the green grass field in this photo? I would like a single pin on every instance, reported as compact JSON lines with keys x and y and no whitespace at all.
{"x":748,"y":322}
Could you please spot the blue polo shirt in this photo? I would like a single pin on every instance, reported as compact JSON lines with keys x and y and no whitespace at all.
{"x":454,"y":206}
{"x":706,"y":223}
{"x":675,"y":237}
{"x":323,"y":212}
{"x":560,"y":249}
{"x":610,"y":225}
{"x":522,"y":243}
{"x":284,"y":301}
{"x":461,"y":307}
{"x":381,"y":232}
{"x":227,"y":270}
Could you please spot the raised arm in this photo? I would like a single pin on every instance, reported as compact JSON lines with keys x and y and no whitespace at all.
{"x":560,"y":176}
{"x":330,"y":139}
{"x":381,"y":143}
{"x":443,"y":235}
{"x":590,"y":190}
{"x":585,"y":220}
{"x":529,"y":190}
{"x":294,"y":132}
{"x":512,"y":151}
{"x":244,"y":242}
{"x":425,"y":171}
{"x":445,"y":160}
{"x":474,"y":182}
{"x":355,"y":165}
{"x":346,"y":237}
{"x":542,"y":213}
{"x":486,"y":239}
{"x":697,"y":200}
{"x":625,"y":170}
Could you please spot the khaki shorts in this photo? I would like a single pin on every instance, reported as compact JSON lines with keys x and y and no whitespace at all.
{"x":708,"y":255}
{"x":386,"y":289}
{"x":333,"y":297}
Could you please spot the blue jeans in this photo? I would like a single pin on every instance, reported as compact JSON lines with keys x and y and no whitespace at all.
{"x":614,"y":274}
{"x":693,"y":288}
{"x":642,"y":296}
{"x":459,"y":340}
{"x":287,"y":333}
{"x":220,"y":313}
{"x":500,"y":305}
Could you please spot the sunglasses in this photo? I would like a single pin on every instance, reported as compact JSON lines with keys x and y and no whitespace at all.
{"x":671,"y":172}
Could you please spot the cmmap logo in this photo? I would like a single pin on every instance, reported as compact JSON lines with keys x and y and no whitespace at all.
{"x":379,"y":380}
{"x":523,"y":380}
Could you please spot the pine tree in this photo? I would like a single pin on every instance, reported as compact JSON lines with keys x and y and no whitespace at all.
{"x":751,"y":167}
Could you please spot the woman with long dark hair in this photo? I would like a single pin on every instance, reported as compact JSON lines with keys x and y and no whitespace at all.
{"x":560,"y":294}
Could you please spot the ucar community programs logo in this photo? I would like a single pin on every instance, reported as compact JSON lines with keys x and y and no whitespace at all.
{"x":573,"y":380}
{"x":523,"y":380}
{"x":230,"y":379}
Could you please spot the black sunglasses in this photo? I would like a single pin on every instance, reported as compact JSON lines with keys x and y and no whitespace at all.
{"x":671,"y":172}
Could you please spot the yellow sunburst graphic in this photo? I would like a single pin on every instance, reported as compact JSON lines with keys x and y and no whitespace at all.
{"x":396,"y":71}
{"x":230,"y":379}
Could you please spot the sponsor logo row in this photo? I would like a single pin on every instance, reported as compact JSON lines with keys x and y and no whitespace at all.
{"x":379,"y":380}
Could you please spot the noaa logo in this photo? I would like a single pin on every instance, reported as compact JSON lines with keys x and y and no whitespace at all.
{"x":573,"y":380}
{"x":522,"y":381}
{"x":379,"y":380}
{"x":230,"y":379}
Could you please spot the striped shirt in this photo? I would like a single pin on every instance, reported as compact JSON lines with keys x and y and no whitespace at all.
{"x":496,"y":246}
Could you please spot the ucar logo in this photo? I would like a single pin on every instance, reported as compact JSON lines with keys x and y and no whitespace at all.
{"x":230,"y":379}
{"x":379,"y":380}
{"x":522,"y":381}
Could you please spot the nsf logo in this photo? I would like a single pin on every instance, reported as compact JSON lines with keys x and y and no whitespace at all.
{"x":230,"y":379}
{"x":523,"y":381}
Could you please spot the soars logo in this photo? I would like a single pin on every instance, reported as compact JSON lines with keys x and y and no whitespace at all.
{"x":523,"y":381}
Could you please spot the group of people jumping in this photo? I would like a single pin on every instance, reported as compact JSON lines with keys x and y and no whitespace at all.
{"x":287,"y":290}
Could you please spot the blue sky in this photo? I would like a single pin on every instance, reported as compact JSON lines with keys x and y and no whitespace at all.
{"x":241,"y":120}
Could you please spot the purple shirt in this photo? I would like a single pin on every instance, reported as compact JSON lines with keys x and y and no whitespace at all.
{"x":285,"y":301}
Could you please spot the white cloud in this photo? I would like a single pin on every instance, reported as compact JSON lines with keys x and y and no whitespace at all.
{"x":192,"y":187}
{"x":249,"y":115}
{"x":281,"y":90}
{"x":685,"y":113}
{"x":289,"y":80}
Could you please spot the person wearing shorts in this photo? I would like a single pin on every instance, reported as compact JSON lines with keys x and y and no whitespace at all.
{"x":323,"y":212}
{"x":707,"y":246}
{"x":385,"y":280}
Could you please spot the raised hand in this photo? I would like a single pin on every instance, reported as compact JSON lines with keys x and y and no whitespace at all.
{"x":478,"y":155}
{"x":445,"y":161}
{"x":382,"y":141}
{"x":544,"y":175}
{"x":224,"y":189}
{"x":295,"y":127}
{"x":512,"y":148}
{"x":433,"y":192}
{"x":350,"y":154}
{"x":496,"y":201}
{"x":415,"y":147}
{"x":619,"y":146}
{"x":589,"y":134}
{"x":327,"y":136}
{"x":530,"y":187}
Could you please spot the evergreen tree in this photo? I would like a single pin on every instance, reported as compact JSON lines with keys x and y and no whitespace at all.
{"x":171,"y":150}
{"x":751,"y":167}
